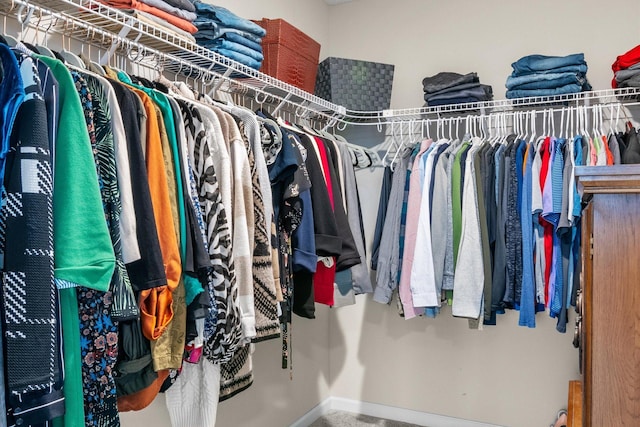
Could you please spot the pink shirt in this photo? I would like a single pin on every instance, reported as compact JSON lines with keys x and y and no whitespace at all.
{"x":411,"y":229}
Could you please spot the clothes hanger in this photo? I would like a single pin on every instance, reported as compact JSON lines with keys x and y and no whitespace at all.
{"x":484,"y":129}
{"x":42,"y":48}
{"x":393,"y":143}
{"x":23,"y":16}
{"x":8,"y":39}
{"x":570,"y":124}
{"x":497,"y":123}
{"x":611,"y":132}
{"x":532,"y":137}
{"x":467,"y":128}
{"x":267,"y":120}
{"x":602,"y":125}
{"x":341,"y":126}
{"x":617,"y":118}
{"x":399,"y":148}
{"x":493,"y":128}
{"x":70,"y":57}
{"x":583,"y":119}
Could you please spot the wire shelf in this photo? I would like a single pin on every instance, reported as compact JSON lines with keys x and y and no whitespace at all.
{"x":126,"y":32}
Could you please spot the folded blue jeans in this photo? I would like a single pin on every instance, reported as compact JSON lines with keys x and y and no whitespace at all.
{"x":564,"y":90}
{"x":239,"y":38}
{"x":239,"y":57}
{"x":536,"y":63}
{"x":576,"y":69}
{"x":210,"y":30}
{"x":227,"y":18}
{"x":544,"y":81}
{"x":219,"y":44}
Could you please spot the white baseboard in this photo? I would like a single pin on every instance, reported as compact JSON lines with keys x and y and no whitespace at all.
{"x":316,"y":412}
{"x":384,"y":411}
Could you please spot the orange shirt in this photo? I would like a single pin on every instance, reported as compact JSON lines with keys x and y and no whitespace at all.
{"x":608,"y":152}
{"x":156,"y":304}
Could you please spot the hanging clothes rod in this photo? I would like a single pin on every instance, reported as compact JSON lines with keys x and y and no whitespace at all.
{"x":425,"y":120}
{"x":116,"y":25}
{"x":607,"y":96}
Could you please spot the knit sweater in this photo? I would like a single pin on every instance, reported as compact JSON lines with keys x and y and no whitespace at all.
{"x":31,"y":336}
{"x":222,"y":331}
{"x":267,"y":324}
{"x":193,"y":399}
{"x":243,"y":220}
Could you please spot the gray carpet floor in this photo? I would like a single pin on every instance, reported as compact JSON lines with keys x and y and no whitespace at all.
{"x":348,"y":419}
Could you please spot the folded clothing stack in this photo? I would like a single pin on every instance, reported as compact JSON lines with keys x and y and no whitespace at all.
{"x":229,"y":35}
{"x":540,"y":75}
{"x":453,"y":88}
{"x":172,"y":13}
{"x":626,"y":69}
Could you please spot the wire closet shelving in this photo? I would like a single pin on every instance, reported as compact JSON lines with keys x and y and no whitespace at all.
{"x":116,"y":31}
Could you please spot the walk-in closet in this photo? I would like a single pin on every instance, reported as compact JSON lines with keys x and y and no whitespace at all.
{"x":190,"y":240}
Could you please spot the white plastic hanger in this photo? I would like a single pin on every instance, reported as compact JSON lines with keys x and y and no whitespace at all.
{"x":532,"y":137}
{"x":11,"y":41}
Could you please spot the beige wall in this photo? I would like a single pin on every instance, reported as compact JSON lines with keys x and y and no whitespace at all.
{"x":423,"y":37}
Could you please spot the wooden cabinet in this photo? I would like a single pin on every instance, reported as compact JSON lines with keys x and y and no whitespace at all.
{"x":609,"y":310}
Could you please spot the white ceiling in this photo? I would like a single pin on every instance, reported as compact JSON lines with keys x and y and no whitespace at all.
{"x":332,"y":2}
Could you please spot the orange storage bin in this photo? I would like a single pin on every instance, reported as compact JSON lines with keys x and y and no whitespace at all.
{"x":289,"y":54}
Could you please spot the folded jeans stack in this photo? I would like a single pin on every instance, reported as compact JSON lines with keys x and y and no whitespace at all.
{"x":229,"y":35}
{"x":540,"y":75}
{"x":452,"y":88}
{"x":626,"y":69}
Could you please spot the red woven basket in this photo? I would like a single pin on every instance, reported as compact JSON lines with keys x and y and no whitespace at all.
{"x":289,"y":54}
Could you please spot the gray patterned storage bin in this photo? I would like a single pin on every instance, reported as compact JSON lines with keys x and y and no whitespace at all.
{"x":356,"y":85}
